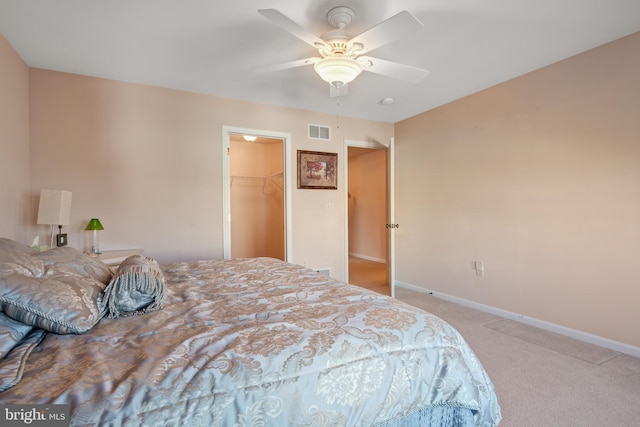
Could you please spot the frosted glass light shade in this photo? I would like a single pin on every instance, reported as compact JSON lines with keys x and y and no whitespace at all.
{"x":337,"y":71}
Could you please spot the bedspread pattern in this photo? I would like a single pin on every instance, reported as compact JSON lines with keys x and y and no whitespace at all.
{"x":259,"y":342}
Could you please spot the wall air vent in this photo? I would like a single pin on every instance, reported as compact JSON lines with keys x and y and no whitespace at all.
{"x":319,"y":132}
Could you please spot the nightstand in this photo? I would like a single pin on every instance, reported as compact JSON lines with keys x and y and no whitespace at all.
{"x":114,"y":258}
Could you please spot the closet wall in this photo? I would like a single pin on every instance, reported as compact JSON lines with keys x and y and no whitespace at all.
{"x":257,"y":198}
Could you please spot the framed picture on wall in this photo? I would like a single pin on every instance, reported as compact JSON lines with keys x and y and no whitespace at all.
{"x":317,"y":170}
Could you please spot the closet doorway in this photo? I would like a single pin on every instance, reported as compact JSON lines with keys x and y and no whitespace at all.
{"x":256,"y":196}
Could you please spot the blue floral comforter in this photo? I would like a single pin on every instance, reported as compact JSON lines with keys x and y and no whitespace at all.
{"x":259,"y":342}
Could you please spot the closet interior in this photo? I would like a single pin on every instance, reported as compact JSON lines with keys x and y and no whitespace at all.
{"x":257,"y":197}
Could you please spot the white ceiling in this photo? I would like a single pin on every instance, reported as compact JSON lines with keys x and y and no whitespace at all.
{"x":210,"y":47}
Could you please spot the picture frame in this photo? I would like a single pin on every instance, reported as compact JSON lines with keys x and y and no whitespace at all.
{"x":317,"y":170}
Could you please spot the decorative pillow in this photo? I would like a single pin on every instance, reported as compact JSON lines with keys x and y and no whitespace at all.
{"x":60,"y":303}
{"x":138,"y":287}
{"x":12,"y":244}
{"x":17,"y":261}
{"x":68,"y":260}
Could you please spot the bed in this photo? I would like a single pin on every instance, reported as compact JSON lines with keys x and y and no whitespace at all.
{"x":241,"y":342}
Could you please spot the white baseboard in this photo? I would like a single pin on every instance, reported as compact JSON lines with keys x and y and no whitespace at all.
{"x":368,"y":258}
{"x":551,"y":327}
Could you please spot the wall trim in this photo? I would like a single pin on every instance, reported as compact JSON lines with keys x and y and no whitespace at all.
{"x":548,"y":326}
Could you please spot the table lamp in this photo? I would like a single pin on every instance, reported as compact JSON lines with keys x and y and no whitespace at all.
{"x":55,"y":209}
{"x":95,"y":225}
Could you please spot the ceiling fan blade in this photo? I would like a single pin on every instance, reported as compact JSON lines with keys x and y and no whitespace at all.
{"x":387,"y":31}
{"x":393,"y":69}
{"x":287,"y":24}
{"x":284,"y":66}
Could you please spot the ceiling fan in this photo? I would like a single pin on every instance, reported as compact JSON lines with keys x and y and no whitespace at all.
{"x":341,"y":57}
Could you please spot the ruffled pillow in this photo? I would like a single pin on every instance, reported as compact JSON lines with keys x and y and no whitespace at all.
{"x":138,"y":287}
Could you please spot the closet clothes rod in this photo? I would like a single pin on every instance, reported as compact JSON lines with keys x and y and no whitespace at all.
{"x":257,"y":177}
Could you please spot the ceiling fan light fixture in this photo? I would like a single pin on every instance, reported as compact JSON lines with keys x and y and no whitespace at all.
{"x":338,"y":71}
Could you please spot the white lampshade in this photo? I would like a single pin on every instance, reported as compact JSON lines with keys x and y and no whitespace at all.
{"x":55,"y":207}
{"x":337,"y":71}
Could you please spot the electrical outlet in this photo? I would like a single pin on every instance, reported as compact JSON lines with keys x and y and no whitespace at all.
{"x":478,"y":266}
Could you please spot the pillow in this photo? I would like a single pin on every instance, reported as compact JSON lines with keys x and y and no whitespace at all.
{"x":68,"y":260}
{"x":12,"y":244}
{"x":58,"y":302}
{"x":138,"y":287}
{"x":17,"y":261}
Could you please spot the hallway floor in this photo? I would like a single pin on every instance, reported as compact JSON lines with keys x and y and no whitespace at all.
{"x":369,"y":274}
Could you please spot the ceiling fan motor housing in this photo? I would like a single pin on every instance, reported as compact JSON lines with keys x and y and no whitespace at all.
{"x":340,"y":16}
{"x":338,"y":38}
{"x":339,"y":45}
{"x":338,"y":66}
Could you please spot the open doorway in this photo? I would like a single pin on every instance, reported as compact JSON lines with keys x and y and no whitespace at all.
{"x":256,"y":197}
{"x":368,"y":236}
{"x":256,"y":193}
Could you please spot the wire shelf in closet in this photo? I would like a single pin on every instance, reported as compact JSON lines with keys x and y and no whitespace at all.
{"x":265,"y":179}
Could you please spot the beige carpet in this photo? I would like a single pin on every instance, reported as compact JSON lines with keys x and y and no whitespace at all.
{"x":568,"y":346}
{"x":544,"y":379}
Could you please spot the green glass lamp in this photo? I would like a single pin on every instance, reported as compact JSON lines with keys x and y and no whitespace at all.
{"x":95,"y":225}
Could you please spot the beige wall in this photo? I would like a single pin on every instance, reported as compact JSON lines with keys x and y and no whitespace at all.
{"x":148,"y":162}
{"x":538,"y":178}
{"x":14,"y":144}
{"x":368,"y":205}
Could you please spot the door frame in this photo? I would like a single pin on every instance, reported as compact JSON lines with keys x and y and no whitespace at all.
{"x":287,"y":174}
{"x":391,"y":247}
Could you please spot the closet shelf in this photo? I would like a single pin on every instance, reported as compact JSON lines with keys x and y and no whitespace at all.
{"x":265,"y":179}
{"x":257,"y":177}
